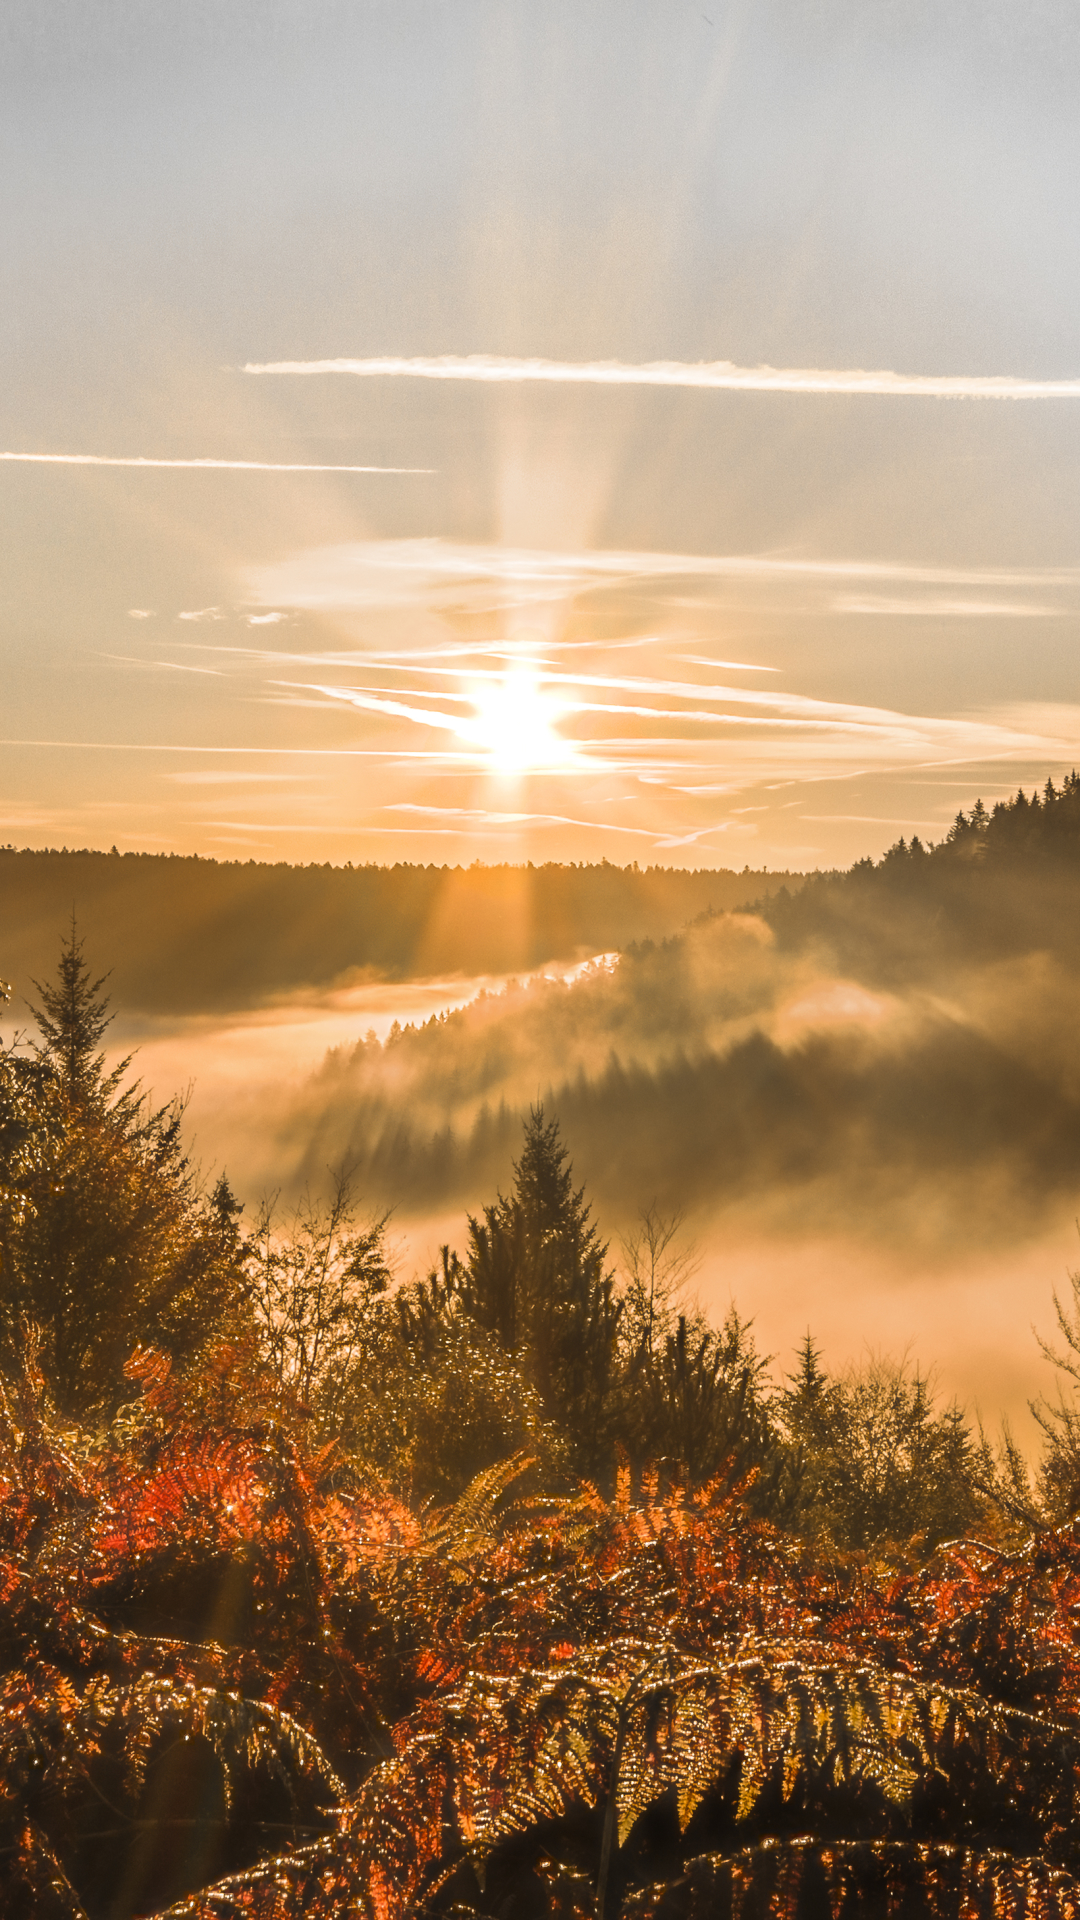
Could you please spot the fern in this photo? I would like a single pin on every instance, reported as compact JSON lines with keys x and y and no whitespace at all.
{"x":880,"y":1880}
{"x":657,"y":1706}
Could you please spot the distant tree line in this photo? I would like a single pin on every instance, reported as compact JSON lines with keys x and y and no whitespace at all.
{"x":192,"y":934}
{"x":1001,"y":881}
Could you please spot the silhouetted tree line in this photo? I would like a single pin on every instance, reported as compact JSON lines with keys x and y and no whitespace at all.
{"x":1002,"y":881}
{"x":192,"y":934}
{"x":525,"y":1342}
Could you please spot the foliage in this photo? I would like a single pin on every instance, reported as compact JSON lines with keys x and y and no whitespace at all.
{"x":105,"y":1237}
{"x":235,"y":1678}
{"x":657,"y":1268}
{"x":694,"y":1401}
{"x":73,"y":1016}
{"x":312,"y":1289}
{"x":1060,"y":1419}
{"x":534,"y":1276}
{"x":876,"y":1460}
{"x":249,"y":1670}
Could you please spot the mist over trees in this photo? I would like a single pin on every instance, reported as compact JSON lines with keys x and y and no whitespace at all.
{"x":530,"y":1337}
{"x":860,"y":1053}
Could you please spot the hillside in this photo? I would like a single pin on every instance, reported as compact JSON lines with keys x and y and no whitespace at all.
{"x":1002,"y":883}
{"x":863,"y":1052}
{"x":187,"y":935}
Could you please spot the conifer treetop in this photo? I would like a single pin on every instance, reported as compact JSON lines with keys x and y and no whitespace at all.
{"x":544,"y":1188}
{"x":73,"y":1016}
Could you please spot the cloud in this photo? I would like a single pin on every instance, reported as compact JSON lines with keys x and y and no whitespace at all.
{"x":940,"y":608}
{"x":484,"y":817}
{"x":445,"y":573}
{"x":688,"y":755}
{"x":216,"y":779}
{"x":140,"y":613}
{"x":202,"y":613}
{"x":379,"y":703}
{"x":714,"y":375}
{"x":795,"y":725}
{"x":225,"y":466}
{"x":174,"y":746}
{"x":170,"y":666}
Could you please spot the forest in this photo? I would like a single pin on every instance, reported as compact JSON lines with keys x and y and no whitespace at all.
{"x":189,"y":934}
{"x":519,"y":1587}
{"x":873,"y":1051}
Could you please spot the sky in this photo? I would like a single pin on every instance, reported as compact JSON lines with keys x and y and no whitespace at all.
{"x":470,"y":429}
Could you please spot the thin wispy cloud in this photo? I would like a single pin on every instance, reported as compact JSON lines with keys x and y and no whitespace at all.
{"x":711,"y":704}
{"x":223,"y":466}
{"x":169,"y":666}
{"x":715,"y":734}
{"x":937,"y":607}
{"x":381,"y":703}
{"x":447,"y":574}
{"x":486,"y":816}
{"x":712,"y":375}
{"x":198,"y":747}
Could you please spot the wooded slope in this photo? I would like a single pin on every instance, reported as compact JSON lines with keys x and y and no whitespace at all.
{"x":190,"y":935}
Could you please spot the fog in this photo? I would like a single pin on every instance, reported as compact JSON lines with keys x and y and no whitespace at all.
{"x":892,"y":1167}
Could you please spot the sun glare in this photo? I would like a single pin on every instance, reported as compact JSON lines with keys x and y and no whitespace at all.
{"x":514,"y":724}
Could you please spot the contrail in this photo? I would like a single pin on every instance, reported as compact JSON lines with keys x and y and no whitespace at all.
{"x":229,"y":466}
{"x":720,"y":375}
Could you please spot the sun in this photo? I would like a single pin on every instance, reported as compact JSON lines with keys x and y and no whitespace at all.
{"x":514,"y":724}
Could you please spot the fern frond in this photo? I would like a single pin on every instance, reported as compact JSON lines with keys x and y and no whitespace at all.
{"x":859,"y":1880}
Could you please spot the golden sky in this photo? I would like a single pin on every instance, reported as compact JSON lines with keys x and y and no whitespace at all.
{"x":638,"y":431}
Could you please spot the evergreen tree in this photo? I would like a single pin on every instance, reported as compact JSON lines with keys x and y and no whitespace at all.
{"x":875,"y":1459}
{"x":73,"y":1017}
{"x":694,"y":1403}
{"x":535,"y":1277}
{"x":106,"y":1241}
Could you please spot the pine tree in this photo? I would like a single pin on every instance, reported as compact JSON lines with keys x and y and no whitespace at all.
{"x":535,"y":1276}
{"x":73,"y":1017}
{"x":875,"y":1459}
{"x":106,"y":1240}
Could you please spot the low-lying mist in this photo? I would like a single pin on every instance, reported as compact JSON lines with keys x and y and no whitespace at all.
{"x":892,"y":1166}
{"x":719,"y":1072}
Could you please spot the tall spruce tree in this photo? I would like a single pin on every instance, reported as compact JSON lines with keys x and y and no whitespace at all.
{"x":535,"y":1276}
{"x":73,"y":1018}
{"x":106,"y":1240}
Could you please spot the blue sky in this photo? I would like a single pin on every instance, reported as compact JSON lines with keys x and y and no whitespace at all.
{"x":670,"y":622}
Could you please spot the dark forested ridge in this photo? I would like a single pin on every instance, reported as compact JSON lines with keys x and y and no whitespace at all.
{"x":1001,"y":883}
{"x":190,"y":935}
